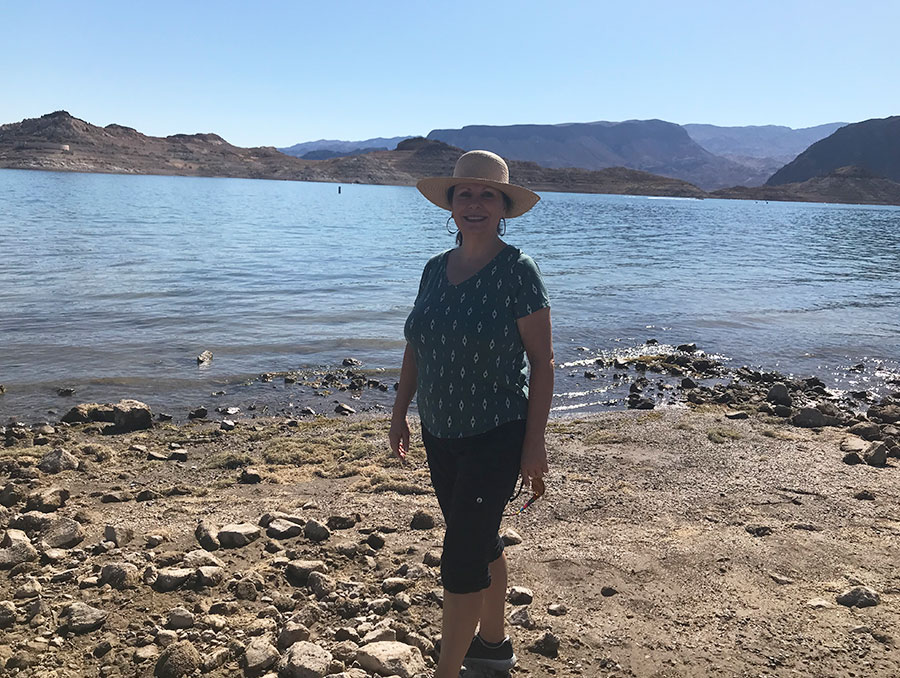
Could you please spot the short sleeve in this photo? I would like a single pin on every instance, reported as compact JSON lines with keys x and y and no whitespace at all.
{"x":531,"y":293}
{"x":426,"y":274}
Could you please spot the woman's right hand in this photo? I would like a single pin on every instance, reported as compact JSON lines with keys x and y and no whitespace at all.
{"x":399,"y":436}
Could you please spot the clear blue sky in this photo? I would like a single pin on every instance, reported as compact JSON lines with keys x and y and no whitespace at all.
{"x":277,"y":73}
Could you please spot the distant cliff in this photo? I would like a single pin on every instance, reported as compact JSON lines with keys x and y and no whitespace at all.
{"x":59,"y":141}
{"x":776,"y":143}
{"x":852,"y":185}
{"x":654,"y":146}
{"x":873,"y":145}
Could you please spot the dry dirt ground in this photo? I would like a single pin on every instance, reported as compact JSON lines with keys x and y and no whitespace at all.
{"x":681,"y":543}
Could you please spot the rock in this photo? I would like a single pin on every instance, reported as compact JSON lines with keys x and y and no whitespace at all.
{"x":520,"y":616}
{"x":519,"y":595}
{"x":809,"y":417}
{"x":177,"y":455}
{"x":341,"y":522}
{"x":864,"y":495}
{"x":867,"y":430}
{"x":885,"y":413}
{"x":178,"y":660}
{"x":198,"y":413}
{"x":89,"y":412}
{"x":853,"y":444}
{"x":380,"y":606}
{"x":245,"y":589}
{"x":205,"y":533}
{"x":249,"y":476}
{"x":47,"y":500}
{"x":378,"y":635}
{"x":17,"y":553}
{"x":166,"y":637}
{"x":344,"y":410}
{"x":145,"y":653}
{"x":31,"y":588}
{"x":7,"y":614}
{"x":390,"y":658}
{"x":131,"y":415}
{"x":215,"y":659}
{"x":422,"y":520}
{"x":375,"y":540}
{"x":204,"y":357}
{"x":778,"y":394}
{"x":736,"y":414}
{"x":210,"y":575}
{"x":876,"y":454}
{"x":57,"y":461}
{"x":237,"y":535}
{"x":510,"y":537}
{"x":557,"y":609}
{"x":280,"y":528}
{"x":547,"y":645}
{"x":82,"y":618}
{"x":116,"y":497}
{"x":63,"y":533}
{"x":227,"y":425}
{"x":118,"y":534}
{"x":148,"y":495}
{"x":120,"y":575}
{"x":859,"y":596}
{"x":294,"y":632}
{"x":432,"y":558}
{"x":199,"y":558}
{"x":759,"y":530}
{"x":180,"y":618}
{"x":321,"y":584}
{"x":402,"y":601}
{"x":316,"y":531}
{"x":259,"y":655}
{"x":170,"y":578}
{"x":395,"y":585}
{"x":11,"y":494}
{"x":853,"y":458}
{"x":304,"y":660}
{"x":297,"y":572}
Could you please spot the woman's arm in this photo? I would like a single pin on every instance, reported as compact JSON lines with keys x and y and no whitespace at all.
{"x":535,"y":330}
{"x":399,"y":432}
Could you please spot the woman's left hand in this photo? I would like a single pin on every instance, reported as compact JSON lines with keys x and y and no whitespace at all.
{"x":534,"y":459}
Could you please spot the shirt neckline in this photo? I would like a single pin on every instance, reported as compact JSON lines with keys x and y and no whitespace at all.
{"x":475,"y":274}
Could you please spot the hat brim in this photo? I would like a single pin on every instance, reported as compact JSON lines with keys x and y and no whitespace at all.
{"x":435,"y":190}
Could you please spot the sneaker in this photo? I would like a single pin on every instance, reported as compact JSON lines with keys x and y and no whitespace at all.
{"x":499,"y":658}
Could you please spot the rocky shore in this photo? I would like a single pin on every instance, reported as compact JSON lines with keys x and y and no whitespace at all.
{"x":750,"y":530}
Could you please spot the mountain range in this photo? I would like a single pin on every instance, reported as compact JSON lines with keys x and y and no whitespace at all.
{"x":856,"y":164}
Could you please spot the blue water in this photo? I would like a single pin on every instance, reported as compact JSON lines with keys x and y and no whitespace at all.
{"x":113,"y":284}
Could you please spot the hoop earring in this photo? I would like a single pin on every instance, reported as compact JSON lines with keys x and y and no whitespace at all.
{"x":501,"y":227}
{"x":449,"y":219}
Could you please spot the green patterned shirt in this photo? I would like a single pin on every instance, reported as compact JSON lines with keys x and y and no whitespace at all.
{"x":469,"y":355}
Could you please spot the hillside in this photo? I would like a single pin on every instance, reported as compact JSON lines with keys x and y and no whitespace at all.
{"x":654,"y":146}
{"x":873,"y":145}
{"x":774,"y":143}
{"x":338,"y":148}
{"x":851,"y":185}
{"x":61,"y":142}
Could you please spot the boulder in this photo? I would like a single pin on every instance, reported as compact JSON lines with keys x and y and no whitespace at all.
{"x":859,"y":596}
{"x":180,"y":618}
{"x":293,"y":632}
{"x":280,"y":528}
{"x":132,"y":415}
{"x":547,"y":645}
{"x":7,"y":614}
{"x":201,"y":558}
{"x":778,"y":394}
{"x":885,"y":413}
{"x":304,"y":660}
{"x":11,"y":494}
{"x":205,"y":534}
{"x":321,"y":584}
{"x":519,"y":595}
{"x":170,"y":578}
{"x":867,"y":430}
{"x":82,"y":618}
{"x":84,"y":413}
{"x":422,"y":520}
{"x":298,"y":571}
{"x":237,"y":535}
{"x":57,"y":461}
{"x":120,"y":575}
{"x":47,"y":500}
{"x":390,"y":658}
{"x":118,"y":534}
{"x":63,"y":533}
{"x":316,"y":531}
{"x":259,"y":655}
{"x":876,"y":454}
{"x":178,"y":660}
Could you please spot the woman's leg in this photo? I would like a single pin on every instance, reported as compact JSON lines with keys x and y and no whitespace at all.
{"x":493,"y":605}
{"x":461,"y":611}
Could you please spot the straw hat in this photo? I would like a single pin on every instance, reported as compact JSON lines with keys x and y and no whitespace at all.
{"x":479,"y":167}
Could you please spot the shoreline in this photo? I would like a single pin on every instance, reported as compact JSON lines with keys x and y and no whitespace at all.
{"x":665,"y":536}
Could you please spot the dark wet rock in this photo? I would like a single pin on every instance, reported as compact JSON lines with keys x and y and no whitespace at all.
{"x":859,"y":596}
{"x":198,"y":413}
{"x":63,"y":533}
{"x":205,"y":533}
{"x":853,"y":458}
{"x":778,"y":394}
{"x":177,"y":661}
{"x":82,"y":618}
{"x":89,"y":412}
{"x":237,"y":535}
{"x":57,"y":461}
{"x":688,"y":383}
{"x":47,"y":500}
{"x":546,"y":645}
{"x":886,"y":413}
{"x":131,"y":415}
{"x":636,"y":402}
{"x":422,"y":520}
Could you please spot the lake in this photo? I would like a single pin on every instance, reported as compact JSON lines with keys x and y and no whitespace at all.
{"x":113,"y":284}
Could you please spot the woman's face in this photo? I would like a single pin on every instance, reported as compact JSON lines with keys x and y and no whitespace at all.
{"x":477,"y":208}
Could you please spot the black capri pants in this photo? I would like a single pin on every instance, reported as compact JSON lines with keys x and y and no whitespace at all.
{"x":474,"y":478}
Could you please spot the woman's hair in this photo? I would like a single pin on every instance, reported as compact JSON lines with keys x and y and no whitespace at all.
{"x":507,"y":204}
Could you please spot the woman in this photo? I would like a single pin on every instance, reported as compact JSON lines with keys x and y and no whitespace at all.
{"x":481,"y":308}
